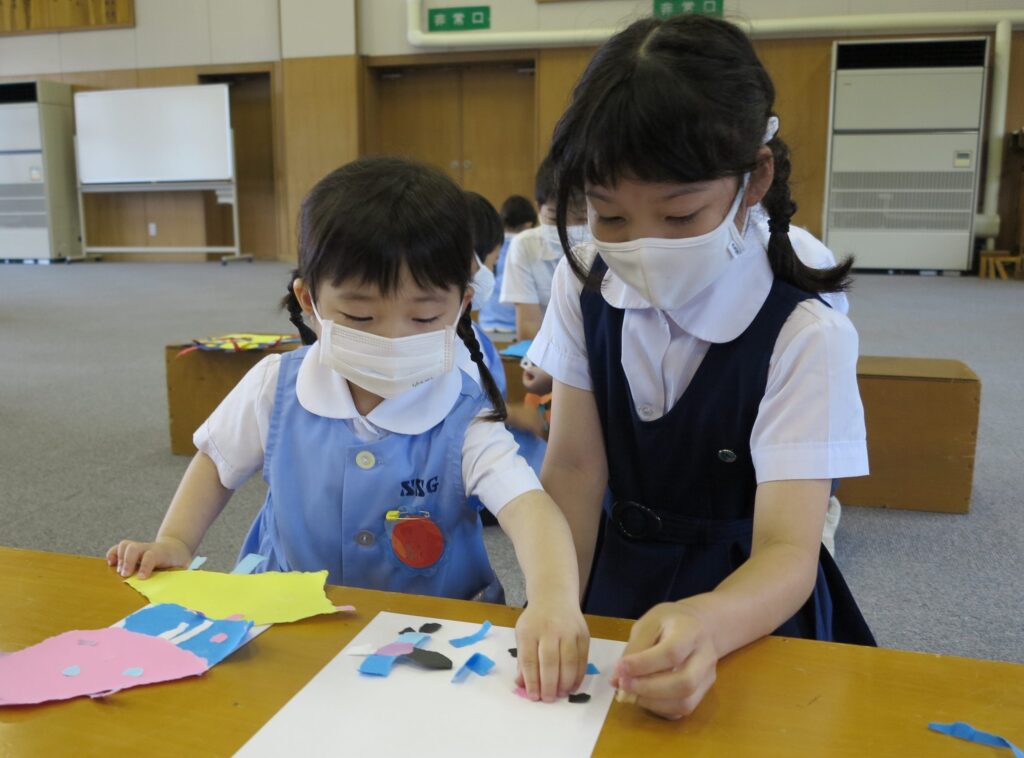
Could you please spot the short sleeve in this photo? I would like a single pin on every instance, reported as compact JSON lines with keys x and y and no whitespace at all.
{"x":518,"y":285}
{"x":560,"y":347}
{"x":492,"y":468}
{"x":810,"y":423}
{"x":235,"y":434}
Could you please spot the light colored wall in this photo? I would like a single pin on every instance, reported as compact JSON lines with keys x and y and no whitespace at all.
{"x":315,"y":28}
{"x":382,"y":22}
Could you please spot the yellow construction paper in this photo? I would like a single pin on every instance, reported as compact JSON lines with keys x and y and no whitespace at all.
{"x":272,"y":597}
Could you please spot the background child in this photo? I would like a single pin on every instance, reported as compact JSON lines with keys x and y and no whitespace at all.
{"x":698,"y":375}
{"x":517,"y":215}
{"x":534,"y":254}
{"x":355,"y":434}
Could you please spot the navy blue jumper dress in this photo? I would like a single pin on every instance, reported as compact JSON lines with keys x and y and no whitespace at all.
{"x":680,"y":516}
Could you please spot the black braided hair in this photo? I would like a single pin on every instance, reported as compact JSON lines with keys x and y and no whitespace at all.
{"x":468,"y":336}
{"x":294,"y":308}
{"x":781,"y":255}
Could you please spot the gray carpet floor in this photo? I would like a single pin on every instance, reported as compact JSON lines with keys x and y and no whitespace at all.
{"x":85,"y":460}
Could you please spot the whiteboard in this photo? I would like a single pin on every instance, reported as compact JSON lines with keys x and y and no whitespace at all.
{"x":160,"y":134}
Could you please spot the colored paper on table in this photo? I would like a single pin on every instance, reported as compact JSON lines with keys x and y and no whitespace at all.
{"x":518,"y":349}
{"x":478,"y":664}
{"x":90,"y":662}
{"x":210,"y":639}
{"x":429,"y":659}
{"x":418,"y":639}
{"x":377,"y":665}
{"x":592,"y":669}
{"x":394,"y":713}
{"x":268,"y":598}
{"x":472,"y":639}
{"x":965,"y":731}
{"x":241,"y":342}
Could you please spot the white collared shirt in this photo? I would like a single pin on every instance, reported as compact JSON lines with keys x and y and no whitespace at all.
{"x":810,"y":423}
{"x":235,"y":434}
{"x":529,"y":269}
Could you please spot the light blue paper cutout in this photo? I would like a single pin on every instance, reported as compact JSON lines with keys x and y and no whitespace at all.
{"x":377,"y":665}
{"x":592,"y":669}
{"x":517,"y":350}
{"x":418,"y":639}
{"x":157,"y":620}
{"x":967,"y":732}
{"x":473,"y":638}
{"x":198,"y":561}
{"x":478,"y":664}
{"x":134,"y":671}
{"x":72,"y":671}
{"x":248,"y":564}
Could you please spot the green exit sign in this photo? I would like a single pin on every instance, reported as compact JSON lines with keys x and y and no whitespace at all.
{"x":670,"y":8}
{"x":472,"y":17}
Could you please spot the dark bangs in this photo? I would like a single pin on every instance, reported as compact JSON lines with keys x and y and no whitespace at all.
{"x":374,"y":217}
{"x":683,"y":100}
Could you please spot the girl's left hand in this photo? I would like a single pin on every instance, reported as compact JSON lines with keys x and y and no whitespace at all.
{"x":670,"y":661}
{"x":553,"y":643}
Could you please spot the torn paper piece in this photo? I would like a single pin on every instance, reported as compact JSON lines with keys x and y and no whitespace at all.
{"x":473,"y":638}
{"x":360,"y":650}
{"x":478,"y":663}
{"x":210,"y":639}
{"x":430,"y":659}
{"x":377,"y":665}
{"x":592,"y":669}
{"x":267,"y":598}
{"x":396,"y":649}
{"x":430,"y":627}
{"x":118,"y":660}
{"x":417,"y":639}
{"x":198,"y":561}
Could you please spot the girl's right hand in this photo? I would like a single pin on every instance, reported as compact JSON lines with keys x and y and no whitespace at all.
{"x":166,"y":552}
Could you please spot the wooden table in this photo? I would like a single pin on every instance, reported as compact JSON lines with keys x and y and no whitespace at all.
{"x":777,"y":697}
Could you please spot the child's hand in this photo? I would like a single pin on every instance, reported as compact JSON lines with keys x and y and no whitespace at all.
{"x":536,"y":380}
{"x":166,"y":552}
{"x":669,"y":663}
{"x":553,"y":642}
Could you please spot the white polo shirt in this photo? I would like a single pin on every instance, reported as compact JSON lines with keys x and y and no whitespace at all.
{"x":529,"y":269}
{"x":235,"y":434}
{"x":810,"y":424}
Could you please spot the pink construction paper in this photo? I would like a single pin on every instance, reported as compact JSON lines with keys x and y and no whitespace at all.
{"x":35,"y":674}
{"x":397,"y":648}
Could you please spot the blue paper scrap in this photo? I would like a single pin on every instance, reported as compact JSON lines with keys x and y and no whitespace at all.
{"x":418,"y":639}
{"x":377,"y":665}
{"x":967,"y":732}
{"x":198,"y":561}
{"x":473,"y":638}
{"x":592,"y":669}
{"x":517,"y":350}
{"x":478,"y":664}
{"x":190,"y":630}
{"x":248,"y":564}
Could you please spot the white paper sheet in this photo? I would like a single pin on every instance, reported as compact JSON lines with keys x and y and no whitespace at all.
{"x":419,"y":713}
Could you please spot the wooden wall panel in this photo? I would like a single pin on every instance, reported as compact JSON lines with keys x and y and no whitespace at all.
{"x":319,"y":112}
{"x":1011,"y":202}
{"x":557,"y":72}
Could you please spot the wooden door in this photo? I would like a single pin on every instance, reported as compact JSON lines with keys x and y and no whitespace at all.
{"x":419,"y":116}
{"x":499,"y":131}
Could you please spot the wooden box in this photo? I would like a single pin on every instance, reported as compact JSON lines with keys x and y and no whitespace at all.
{"x":922,"y":426}
{"x":197,"y":380}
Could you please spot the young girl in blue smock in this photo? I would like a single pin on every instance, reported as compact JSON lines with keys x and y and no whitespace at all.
{"x":372,"y":438}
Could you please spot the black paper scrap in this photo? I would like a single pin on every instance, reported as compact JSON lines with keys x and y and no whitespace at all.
{"x":514,"y":652}
{"x":407,"y":629}
{"x":430,"y":659}
{"x":579,"y":697}
{"x":430,"y":627}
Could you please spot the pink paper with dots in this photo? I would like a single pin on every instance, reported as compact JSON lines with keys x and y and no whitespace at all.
{"x":91,"y":662}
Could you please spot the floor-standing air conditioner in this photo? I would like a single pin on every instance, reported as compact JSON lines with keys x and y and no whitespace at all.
{"x":904,"y":149}
{"x":38,"y":203}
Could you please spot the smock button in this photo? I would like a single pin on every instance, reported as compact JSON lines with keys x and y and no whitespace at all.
{"x":727,"y":456}
{"x":365,"y":538}
{"x":366,"y":459}
{"x":646,"y":411}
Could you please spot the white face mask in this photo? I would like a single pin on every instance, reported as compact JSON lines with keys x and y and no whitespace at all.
{"x":483,"y":286}
{"x":577,"y":236}
{"x":669,"y":273}
{"x":386,"y":366}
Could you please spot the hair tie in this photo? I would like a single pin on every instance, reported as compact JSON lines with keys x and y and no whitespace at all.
{"x":778,"y":226}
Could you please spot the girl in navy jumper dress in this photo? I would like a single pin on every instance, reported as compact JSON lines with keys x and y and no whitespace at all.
{"x":700,"y":378}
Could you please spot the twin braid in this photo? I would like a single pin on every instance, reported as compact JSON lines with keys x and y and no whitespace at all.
{"x":468,"y":336}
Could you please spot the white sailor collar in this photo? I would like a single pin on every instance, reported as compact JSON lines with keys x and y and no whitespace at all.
{"x":323,"y":391}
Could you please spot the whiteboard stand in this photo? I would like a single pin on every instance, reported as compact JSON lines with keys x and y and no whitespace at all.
{"x":227,"y":194}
